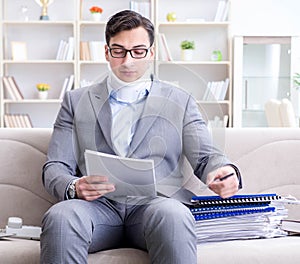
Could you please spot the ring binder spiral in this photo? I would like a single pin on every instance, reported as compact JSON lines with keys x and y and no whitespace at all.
{"x":208,"y":207}
{"x":232,"y":212}
{"x":236,"y":199}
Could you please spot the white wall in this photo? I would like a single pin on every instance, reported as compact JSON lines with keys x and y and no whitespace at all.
{"x":265,"y":17}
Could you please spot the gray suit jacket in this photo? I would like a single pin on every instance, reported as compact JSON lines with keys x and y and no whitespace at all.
{"x":170,"y":131}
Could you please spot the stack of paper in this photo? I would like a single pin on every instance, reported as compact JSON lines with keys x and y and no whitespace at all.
{"x":254,"y":216}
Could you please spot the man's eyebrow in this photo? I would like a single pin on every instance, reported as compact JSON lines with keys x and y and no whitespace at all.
{"x":134,"y":47}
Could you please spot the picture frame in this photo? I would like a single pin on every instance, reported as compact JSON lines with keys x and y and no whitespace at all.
{"x":19,"y":50}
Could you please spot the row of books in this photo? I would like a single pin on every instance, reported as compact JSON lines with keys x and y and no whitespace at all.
{"x":67,"y":86}
{"x":142,"y":7}
{"x":218,"y":122}
{"x":13,"y":92}
{"x":216,"y":90}
{"x":222,"y":11}
{"x":17,"y":120}
{"x":92,"y":50}
{"x":65,"y":49}
{"x":11,"y":88}
{"x":238,"y":217}
{"x":164,"y":51}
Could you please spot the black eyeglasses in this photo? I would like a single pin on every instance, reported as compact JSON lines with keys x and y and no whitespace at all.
{"x":136,"y":53}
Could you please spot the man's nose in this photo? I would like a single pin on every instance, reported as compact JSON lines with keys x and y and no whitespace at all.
{"x":128,"y":58}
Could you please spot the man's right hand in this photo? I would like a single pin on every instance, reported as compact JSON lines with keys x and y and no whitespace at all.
{"x":90,"y":188}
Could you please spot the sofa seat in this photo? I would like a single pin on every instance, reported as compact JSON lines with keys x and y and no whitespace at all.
{"x":236,"y":251}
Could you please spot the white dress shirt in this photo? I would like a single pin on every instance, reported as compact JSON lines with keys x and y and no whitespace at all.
{"x":126,"y":101}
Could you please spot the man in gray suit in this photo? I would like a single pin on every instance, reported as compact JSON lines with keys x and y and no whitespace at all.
{"x":134,"y":115}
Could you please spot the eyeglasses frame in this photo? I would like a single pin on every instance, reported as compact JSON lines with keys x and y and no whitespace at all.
{"x":129,"y":50}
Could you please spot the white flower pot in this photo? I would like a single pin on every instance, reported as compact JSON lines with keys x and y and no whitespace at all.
{"x":187,"y":54}
{"x":43,"y":95}
{"x":96,"y":16}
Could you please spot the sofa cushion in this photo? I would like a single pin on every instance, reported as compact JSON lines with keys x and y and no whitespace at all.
{"x":275,"y":250}
{"x":17,"y":251}
{"x":21,"y":182}
{"x":233,"y":252}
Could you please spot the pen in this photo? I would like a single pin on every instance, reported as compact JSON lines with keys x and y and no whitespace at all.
{"x":225,"y":177}
{"x":206,"y":186}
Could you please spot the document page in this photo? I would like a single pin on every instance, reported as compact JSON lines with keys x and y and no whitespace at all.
{"x":132,"y":177}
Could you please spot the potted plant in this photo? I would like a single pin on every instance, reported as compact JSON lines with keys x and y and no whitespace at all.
{"x":296,"y":80}
{"x":43,"y":90}
{"x":96,"y":12}
{"x":187,"y":50}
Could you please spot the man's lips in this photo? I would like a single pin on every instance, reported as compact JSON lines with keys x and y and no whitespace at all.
{"x":127,"y":72}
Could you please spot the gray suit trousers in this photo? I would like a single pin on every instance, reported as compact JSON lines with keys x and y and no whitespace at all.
{"x":161,"y":226}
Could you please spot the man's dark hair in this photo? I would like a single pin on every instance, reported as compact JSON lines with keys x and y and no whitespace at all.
{"x":127,"y":20}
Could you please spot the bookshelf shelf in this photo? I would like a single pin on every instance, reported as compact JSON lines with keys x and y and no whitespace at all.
{"x":196,"y":24}
{"x":33,"y":101}
{"x":39,"y":23}
{"x":38,"y":62}
{"x":42,"y":40}
{"x":196,"y":62}
{"x":213,"y":102}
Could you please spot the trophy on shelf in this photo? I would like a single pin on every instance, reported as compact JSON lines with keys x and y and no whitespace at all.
{"x":44,"y":4}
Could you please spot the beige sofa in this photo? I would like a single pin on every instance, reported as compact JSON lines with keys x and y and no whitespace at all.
{"x":269,"y":160}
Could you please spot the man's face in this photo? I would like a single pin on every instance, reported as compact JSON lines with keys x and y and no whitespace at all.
{"x":129,"y":69}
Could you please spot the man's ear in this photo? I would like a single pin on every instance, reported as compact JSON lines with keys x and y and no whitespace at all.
{"x":152,"y":51}
{"x":106,"y":52}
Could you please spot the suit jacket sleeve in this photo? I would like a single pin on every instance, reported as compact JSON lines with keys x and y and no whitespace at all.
{"x":198,"y":145}
{"x":61,"y":166}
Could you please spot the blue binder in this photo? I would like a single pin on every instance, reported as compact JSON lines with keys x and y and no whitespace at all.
{"x":210,"y":207}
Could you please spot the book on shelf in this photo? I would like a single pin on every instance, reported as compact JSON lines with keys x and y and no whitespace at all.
{"x":218,"y":122}
{"x":164,"y":51}
{"x":84,"y":51}
{"x":96,"y":49}
{"x":12,"y":90}
{"x":65,"y":49}
{"x":67,"y":86}
{"x":17,"y":121}
{"x":8,"y":92}
{"x":92,"y":50}
{"x":216,"y":90}
{"x":222,"y":11}
{"x":141,"y":6}
{"x":238,"y":217}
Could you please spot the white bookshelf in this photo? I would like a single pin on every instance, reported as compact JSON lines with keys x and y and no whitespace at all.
{"x":196,"y":22}
{"x":71,"y":18}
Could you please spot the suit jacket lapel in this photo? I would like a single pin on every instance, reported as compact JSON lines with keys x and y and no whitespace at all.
{"x":154,"y":105}
{"x":100,"y":102}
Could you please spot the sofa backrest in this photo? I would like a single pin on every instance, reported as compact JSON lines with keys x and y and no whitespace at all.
{"x":269,"y":160}
{"x":22,"y":154}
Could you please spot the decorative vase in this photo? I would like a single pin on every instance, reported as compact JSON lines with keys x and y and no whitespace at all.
{"x":43,"y":95}
{"x":96,"y":16}
{"x":187,"y":54}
